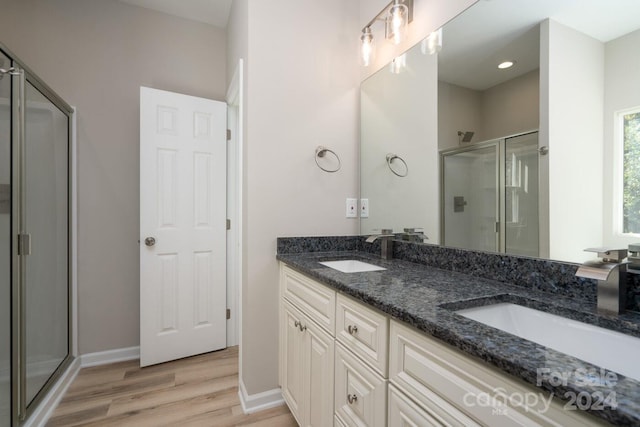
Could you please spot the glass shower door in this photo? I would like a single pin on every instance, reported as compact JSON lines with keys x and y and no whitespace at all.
{"x":46,"y":216}
{"x":470,"y":198}
{"x":5,"y":245}
{"x":521,"y":195}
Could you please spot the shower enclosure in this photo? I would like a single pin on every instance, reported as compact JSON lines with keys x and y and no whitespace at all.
{"x":490,"y":196}
{"x":34,"y":239}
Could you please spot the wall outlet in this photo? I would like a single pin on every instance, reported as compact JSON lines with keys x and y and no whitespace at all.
{"x":352,"y":208}
{"x":364,"y":208}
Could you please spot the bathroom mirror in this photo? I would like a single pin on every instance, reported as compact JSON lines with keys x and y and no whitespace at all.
{"x":544,"y":132}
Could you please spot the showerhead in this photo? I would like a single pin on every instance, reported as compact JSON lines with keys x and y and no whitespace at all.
{"x":465,"y":136}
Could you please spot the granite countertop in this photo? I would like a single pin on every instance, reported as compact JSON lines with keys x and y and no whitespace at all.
{"x":426,"y":297}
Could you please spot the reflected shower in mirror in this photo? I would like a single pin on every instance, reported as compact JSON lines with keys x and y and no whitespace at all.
{"x":508,"y":69}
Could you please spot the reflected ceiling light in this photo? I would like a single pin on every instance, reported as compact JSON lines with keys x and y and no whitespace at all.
{"x":506,"y":64}
{"x":396,"y":17}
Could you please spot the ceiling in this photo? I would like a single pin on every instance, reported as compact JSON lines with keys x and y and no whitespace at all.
{"x":213,"y":12}
{"x":492,"y":31}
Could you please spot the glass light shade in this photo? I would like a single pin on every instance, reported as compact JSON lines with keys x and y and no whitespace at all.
{"x":432,"y":44}
{"x":397,"y":22}
{"x":367,"y":48}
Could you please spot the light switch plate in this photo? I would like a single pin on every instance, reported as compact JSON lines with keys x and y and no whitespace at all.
{"x":352,"y":208}
{"x":364,"y":208}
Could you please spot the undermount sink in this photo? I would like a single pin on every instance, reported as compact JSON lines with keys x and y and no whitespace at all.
{"x":602,"y":347}
{"x":352,"y":266}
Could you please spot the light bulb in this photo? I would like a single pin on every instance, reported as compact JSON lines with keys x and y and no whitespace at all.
{"x":367,"y":48}
{"x":397,"y":22}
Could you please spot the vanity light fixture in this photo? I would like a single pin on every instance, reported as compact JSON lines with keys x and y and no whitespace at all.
{"x":398,"y":64}
{"x":368,"y":47}
{"x":396,"y":17}
{"x":506,"y":64}
{"x":432,"y":44}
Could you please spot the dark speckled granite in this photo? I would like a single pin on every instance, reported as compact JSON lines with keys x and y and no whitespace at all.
{"x":426,"y":297}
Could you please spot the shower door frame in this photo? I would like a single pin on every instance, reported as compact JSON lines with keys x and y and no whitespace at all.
{"x":20,"y":409}
{"x":500,"y":143}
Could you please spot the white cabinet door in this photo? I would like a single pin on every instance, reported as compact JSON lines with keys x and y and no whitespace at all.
{"x":293,"y":361}
{"x":307,"y":375}
{"x":318,"y":375}
{"x":183,"y":226}
{"x":361,"y":393}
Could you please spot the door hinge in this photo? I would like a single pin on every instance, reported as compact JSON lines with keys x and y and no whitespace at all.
{"x":228,"y":134}
{"x":228,"y":313}
{"x":228,"y":224}
{"x":24,"y":244}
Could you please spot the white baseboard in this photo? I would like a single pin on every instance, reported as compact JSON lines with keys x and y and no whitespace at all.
{"x":109,"y":356}
{"x":43,"y":411}
{"x":259,"y":401}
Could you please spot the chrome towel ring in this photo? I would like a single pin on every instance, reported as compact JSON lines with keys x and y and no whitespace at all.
{"x":321,"y":152}
{"x":390,"y":158}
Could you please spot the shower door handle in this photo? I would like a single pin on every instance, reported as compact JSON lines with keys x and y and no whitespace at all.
{"x":150,"y":241}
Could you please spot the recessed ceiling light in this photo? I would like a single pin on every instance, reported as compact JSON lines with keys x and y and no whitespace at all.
{"x":506,"y":64}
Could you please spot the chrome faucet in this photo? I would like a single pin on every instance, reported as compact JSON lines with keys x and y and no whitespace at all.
{"x":610,"y":272}
{"x":414,"y":235}
{"x":386,"y":245}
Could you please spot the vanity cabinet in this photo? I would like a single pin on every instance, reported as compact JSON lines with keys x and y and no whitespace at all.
{"x":360,"y":392}
{"x":346,"y":364}
{"x":457,"y":389}
{"x":307,"y":349}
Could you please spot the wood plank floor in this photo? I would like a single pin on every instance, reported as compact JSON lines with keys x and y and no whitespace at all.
{"x":196,"y":391}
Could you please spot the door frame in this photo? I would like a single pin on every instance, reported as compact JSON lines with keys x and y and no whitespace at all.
{"x":235,"y":171}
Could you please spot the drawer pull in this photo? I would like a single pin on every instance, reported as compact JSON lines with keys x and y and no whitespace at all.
{"x":352,"y":398}
{"x":298,"y":325}
{"x":352,"y":329}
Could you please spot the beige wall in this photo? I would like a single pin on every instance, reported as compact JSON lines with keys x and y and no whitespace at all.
{"x":505,"y":109}
{"x":302,"y":80}
{"x":96,"y":54}
{"x":302,"y":90}
{"x":572,"y":93}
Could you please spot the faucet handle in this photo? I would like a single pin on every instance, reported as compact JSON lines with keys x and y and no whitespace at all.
{"x":414,"y":230}
{"x":609,"y":254}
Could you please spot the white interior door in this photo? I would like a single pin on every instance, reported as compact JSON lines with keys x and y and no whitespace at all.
{"x":182,"y":226}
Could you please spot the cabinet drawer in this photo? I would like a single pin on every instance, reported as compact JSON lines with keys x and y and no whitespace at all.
{"x":435,"y":374}
{"x":360,"y":393}
{"x":363,"y":331}
{"x":404,"y":412}
{"x":337,"y":422}
{"x":316,"y":301}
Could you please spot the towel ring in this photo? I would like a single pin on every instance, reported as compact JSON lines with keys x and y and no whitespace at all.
{"x":390,"y":158}
{"x":320,"y":152}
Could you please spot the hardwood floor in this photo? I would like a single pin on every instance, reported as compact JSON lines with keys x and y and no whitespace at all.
{"x":197,"y":391}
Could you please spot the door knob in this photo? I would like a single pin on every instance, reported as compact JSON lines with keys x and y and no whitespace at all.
{"x":150,"y":241}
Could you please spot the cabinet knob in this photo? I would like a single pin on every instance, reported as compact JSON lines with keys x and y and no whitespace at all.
{"x":352,"y":398}
{"x":296,"y":324}
{"x":302,"y":328}
{"x":150,"y":241}
{"x":352,"y":329}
